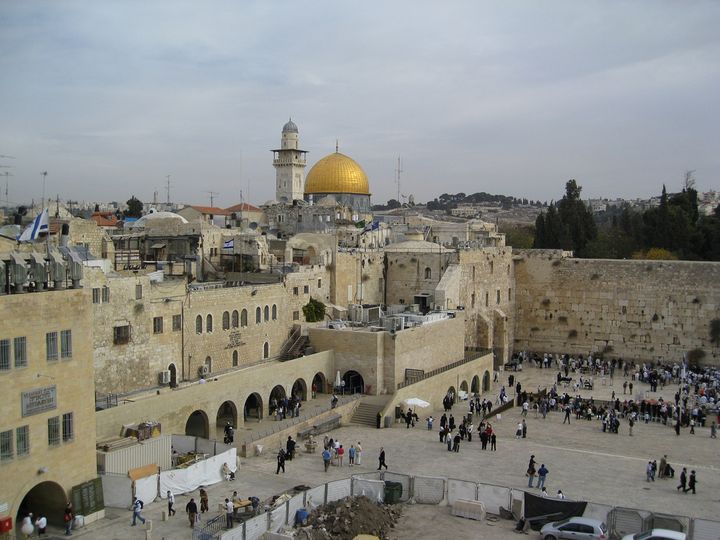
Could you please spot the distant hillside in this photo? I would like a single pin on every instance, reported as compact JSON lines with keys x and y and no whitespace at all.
{"x":447,"y":201}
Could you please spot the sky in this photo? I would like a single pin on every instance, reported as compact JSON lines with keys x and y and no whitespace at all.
{"x":508,"y":97}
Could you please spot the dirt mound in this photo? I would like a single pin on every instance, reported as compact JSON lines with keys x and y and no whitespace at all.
{"x":348,"y":517}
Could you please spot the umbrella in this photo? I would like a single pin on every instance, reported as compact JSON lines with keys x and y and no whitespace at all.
{"x":416,"y":402}
{"x":337,"y":380}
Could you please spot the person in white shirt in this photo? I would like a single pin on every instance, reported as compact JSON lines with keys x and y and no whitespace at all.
{"x":41,"y":524}
{"x":171,"y":502}
{"x":229,"y":509}
{"x":560,"y":494}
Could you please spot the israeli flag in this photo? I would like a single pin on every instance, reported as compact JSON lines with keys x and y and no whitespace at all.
{"x":39,"y":225}
{"x":229,"y":244}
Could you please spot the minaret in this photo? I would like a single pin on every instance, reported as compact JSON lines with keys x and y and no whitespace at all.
{"x":289,"y":162}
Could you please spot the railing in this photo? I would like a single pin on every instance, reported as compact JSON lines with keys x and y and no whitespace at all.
{"x":290,"y":342}
{"x":442,"y":369}
{"x":212,"y":529}
{"x":105,"y":401}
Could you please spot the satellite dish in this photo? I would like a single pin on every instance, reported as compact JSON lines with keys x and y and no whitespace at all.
{"x":253,"y":225}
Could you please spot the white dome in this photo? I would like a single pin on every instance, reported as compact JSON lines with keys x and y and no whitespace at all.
{"x":156,"y":217}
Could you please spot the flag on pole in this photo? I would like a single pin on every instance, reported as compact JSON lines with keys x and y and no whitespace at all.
{"x":39,"y":225}
{"x":229,"y":244}
{"x":372,"y":226}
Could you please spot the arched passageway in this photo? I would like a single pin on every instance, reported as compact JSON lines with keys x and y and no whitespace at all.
{"x":475,"y":385}
{"x":486,"y":382}
{"x":47,"y":499}
{"x":253,"y":407}
{"x":451,"y":393}
{"x":299,"y":390}
{"x":464,"y":389}
{"x":319,"y":384}
{"x":197,"y":425}
{"x":226,"y":414}
{"x":354,"y":383}
{"x":173,"y":375}
{"x":276,"y":396}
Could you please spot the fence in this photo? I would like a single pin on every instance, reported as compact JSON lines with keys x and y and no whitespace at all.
{"x":471,"y":357}
{"x":434,"y":491}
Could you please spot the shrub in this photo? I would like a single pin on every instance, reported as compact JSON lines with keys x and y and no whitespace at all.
{"x":314,"y":310}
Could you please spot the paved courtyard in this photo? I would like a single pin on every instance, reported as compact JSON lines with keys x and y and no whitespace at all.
{"x":583,"y":461}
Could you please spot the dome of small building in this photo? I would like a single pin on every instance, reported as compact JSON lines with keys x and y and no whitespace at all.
{"x":290,"y":127}
{"x":157,"y":217}
{"x":337,"y":173}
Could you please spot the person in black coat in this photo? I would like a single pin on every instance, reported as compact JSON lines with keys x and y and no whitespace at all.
{"x":280,"y":461}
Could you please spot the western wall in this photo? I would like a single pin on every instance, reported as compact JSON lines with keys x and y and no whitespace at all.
{"x":631,"y":309}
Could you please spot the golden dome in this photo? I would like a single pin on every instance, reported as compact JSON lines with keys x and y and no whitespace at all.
{"x":337,"y":173}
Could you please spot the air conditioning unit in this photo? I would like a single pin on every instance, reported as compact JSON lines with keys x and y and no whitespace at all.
{"x":164,"y":377}
{"x":203,"y":370}
{"x":18,"y":273}
{"x":38,"y":271}
{"x":58,"y":270}
{"x":75,"y":268}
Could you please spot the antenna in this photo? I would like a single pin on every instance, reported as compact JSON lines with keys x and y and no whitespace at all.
{"x":7,"y":199}
{"x":167,"y":190}
{"x":44,"y":176}
{"x":212,"y":197}
{"x":397,"y":177}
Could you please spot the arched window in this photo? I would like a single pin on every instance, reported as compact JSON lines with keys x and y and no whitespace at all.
{"x":258,"y":315}
{"x":235,"y":359}
{"x":267,"y":313}
{"x":208,"y":323}
{"x":208,"y":364}
{"x":428,"y":273}
{"x":226,"y":320}
{"x":243,"y":318}
{"x":235,"y":319}
{"x":274,"y":313}
{"x":266,"y":350}
{"x":198,"y":324}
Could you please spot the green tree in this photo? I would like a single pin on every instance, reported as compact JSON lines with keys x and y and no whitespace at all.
{"x":314,"y":310}
{"x":134,"y":207}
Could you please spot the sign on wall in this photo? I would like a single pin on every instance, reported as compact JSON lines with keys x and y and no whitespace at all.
{"x":39,"y":400}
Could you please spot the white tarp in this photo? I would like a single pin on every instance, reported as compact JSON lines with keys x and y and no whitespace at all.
{"x":372,"y":489}
{"x":493,"y":497}
{"x":146,"y":489}
{"x":461,"y":489}
{"x":202,"y":473}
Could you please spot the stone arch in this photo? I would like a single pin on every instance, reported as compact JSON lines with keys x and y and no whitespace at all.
{"x":464,"y":387}
{"x":428,"y":273}
{"x":226,"y":320}
{"x":475,"y":385}
{"x":197,"y":425}
{"x":277,"y":394}
{"x":227,"y":412}
{"x":47,"y":498}
{"x":235,"y":359}
{"x":243,"y":318}
{"x":266,"y":350}
{"x":452,"y":394}
{"x":198,"y":324}
{"x":274,"y":312}
{"x":319,"y":384}
{"x":209,"y":323}
{"x":258,"y":315}
{"x":253,"y":407}
{"x":208,"y":363}
{"x":235,"y":319}
{"x":486,"y":382}
{"x":354,"y":382}
{"x":173,"y":375}
{"x":267,"y":313}
{"x":299,"y":389}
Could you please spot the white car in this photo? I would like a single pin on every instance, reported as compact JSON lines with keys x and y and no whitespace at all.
{"x":575,"y":528}
{"x":656,"y":534}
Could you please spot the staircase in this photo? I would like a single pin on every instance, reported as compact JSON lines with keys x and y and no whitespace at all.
{"x":368,"y":409}
{"x":295,"y":345}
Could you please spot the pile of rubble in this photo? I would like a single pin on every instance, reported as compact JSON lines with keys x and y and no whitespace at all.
{"x":349,"y":517}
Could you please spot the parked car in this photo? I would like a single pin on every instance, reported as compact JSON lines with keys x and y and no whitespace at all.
{"x":575,"y":528}
{"x":656,"y":534}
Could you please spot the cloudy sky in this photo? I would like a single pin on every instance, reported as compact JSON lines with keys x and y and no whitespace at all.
{"x":507,"y":97}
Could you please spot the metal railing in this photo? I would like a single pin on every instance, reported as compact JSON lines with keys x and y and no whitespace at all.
{"x":213,"y":529}
{"x":443,"y":369}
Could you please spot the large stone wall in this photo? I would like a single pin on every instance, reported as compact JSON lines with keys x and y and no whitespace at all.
{"x":640,"y":310}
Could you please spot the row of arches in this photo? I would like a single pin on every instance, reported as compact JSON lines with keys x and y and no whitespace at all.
{"x":474,"y":387}
{"x":236,"y":319}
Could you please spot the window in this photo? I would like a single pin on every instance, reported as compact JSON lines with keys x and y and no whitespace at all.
{"x":226,"y":320}
{"x":295,"y":291}
{"x":428,"y":273}
{"x":54,"y":431}
{"x":157,"y":325}
{"x":177,"y":323}
{"x":6,"y":445}
{"x":22,"y":440}
{"x":235,"y":319}
{"x":106,"y":295}
{"x":66,"y":343}
{"x":20,"y":351}
{"x":267,"y":313}
{"x":473,"y":272}
{"x":198,"y":324}
{"x":472,"y":300}
{"x":96,"y":295}
{"x":51,"y":344}
{"x":296,"y":315}
{"x":235,"y":359}
{"x":306,"y":289}
{"x":492,"y":265}
{"x":274,"y":312}
{"x":208,"y":364}
{"x":510,"y":295}
{"x":243,"y":318}
{"x":497,"y":299}
{"x":401,"y":301}
{"x":266,"y":350}
{"x":208,"y":323}
{"x":4,"y":354}
{"x":138,"y":292}
{"x":258,"y":315}
{"x":121,"y":335}
{"x":319,"y":283}
{"x":68,"y":427}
